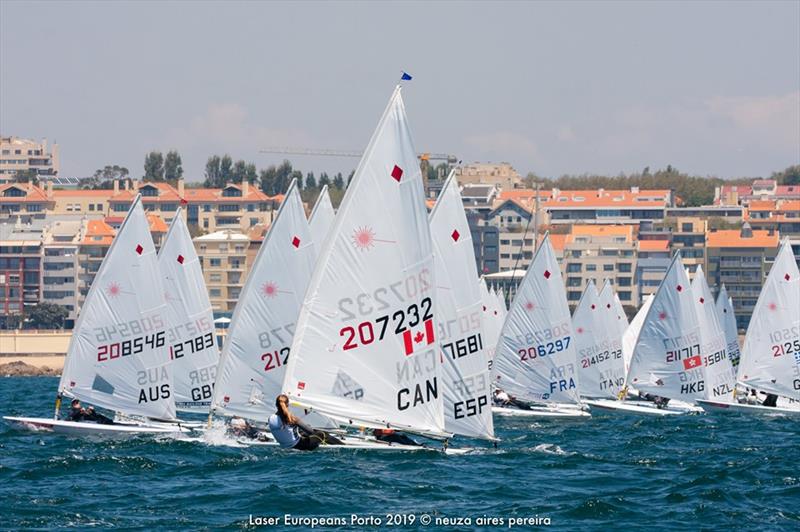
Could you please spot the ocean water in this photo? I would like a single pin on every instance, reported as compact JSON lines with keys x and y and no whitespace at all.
{"x":641,"y":473}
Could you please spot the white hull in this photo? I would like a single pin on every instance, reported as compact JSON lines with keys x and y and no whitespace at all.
{"x":370,"y":444}
{"x":758,"y":410}
{"x":554,"y":412}
{"x":74,"y":428}
{"x":643,"y":408}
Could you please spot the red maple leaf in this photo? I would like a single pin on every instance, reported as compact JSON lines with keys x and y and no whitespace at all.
{"x":419,"y":337}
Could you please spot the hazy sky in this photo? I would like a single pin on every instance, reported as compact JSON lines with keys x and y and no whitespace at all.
{"x":711,"y":88}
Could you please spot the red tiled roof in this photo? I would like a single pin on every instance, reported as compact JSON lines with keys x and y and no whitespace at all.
{"x":732,"y":238}
{"x":33,"y":193}
{"x":607,"y":198}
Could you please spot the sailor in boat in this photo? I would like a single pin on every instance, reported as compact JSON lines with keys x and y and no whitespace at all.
{"x":660,"y":402}
{"x":392,"y":436}
{"x":501,"y":398}
{"x":287,"y":428}
{"x":770,"y":400}
{"x":241,"y":428}
{"x":78,"y":413}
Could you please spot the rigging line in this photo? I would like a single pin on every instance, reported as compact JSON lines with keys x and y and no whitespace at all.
{"x":521,"y":246}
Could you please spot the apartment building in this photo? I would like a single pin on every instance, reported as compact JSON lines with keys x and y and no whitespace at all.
{"x":60,"y":266}
{"x":225,"y":256}
{"x":20,"y":267}
{"x":94,"y":203}
{"x":20,"y":155}
{"x":782,"y":215}
{"x":502,"y":175}
{"x":761,"y":189}
{"x":24,"y":201}
{"x":689,"y":236}
{"x":607,"y":206}
{"x":236,"y":207}
{"x":600,"y":253}
{"x":652,"y":262}
{"x":95,"y":239}
{"x":740,"y":259}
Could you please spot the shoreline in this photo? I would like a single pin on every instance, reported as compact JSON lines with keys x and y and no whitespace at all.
{"x":31,"y":365}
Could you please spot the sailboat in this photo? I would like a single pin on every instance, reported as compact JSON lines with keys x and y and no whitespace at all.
{"x":190,"y":334}
{"x":598,"y":342}
{"x":255,"y":353}
{"x":631,"y":334}
{"x":728,"y":317}
{"x":770,"y":360}
{"x":535,"y":361}
{"x":492,"y":322}
{"x":667,"y":359}
{"x":459,"y":310}
{"x":118,"y":356}
{"x":366,"y":352}
{"x":321,"y":218}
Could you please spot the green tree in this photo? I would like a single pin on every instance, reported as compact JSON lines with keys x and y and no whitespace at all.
{"x":311,"y":181}
{"x":268,"y":180}
{"x":298,"y":175}
{"x":225,"y":170}
{"x":324,"y":180}
{"x":154,"y":166}
{"x":338,"y":181}
{"x":250,"y":173}
{"x":46,"y":316}
{"x":173,"y":166}
{"x":213,"y":172}
{"x":27,"y":176}
{"x":789,"y":176}
{"x":238,"y":171}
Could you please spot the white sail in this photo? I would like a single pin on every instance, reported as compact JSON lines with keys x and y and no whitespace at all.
{"x":771,"y":354}
{"x":728,"y":317}
{"x":365,"y":350}
{"x":256,"y":350}
{"x":118,"y":353}
{"x":501,"y":304}
{"x":535,"y":358}
{"x":492,"y":322}
{"x":459,"y":310}
{"x":619,"y":316}
{"x":321,"y":218}
{"x":667,"y":360}
{"x":190,"y":333}
{"x":720,"y":376}
{"x":631,"y":334}
{"x":598,"y":343}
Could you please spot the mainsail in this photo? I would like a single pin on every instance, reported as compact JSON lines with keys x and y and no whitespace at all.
{"x":256,"y":351}
{"x":667,"y":360}
{"x":321,"y":218}
{"x":720,"y":376}
{"x":459,"y":310}
{"x":365,"y":351}
{"x":728,"y":317}
{"x":771,"y":354}
{"x":118,"y":354}
{"x":492,"y":322}
{"x":535,"y":358}
{"x":631,"y":334}
{"x":190,"y":320}
{"x":598,"y":344}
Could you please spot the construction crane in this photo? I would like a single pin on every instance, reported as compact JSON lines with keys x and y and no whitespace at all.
{"x":424,"y":158}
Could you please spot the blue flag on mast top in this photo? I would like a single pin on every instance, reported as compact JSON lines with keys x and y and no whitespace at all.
{"x":405,"y":77}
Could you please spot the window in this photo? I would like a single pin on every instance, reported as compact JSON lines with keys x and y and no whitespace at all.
{"x":239,"y":248}
{"x":623,"y":281}
{"x":251,"y":207}
{"x":608,"y":267}
{"x":231,"y":192}
{"x":35,"y":207}
{"x":253,"y":221}
{"x":148,"y":190}
{"x":504,"y":255}
{"x":207,"y":207}
{"x":505,"y":242}
{"x":91,"y":206}
{"x":573,"y":296}
{"x":214,"y":292}
{"x":624,"y":267}
{"x":228,"y":207}
{"x":573,"y":267}
{"x":120,"y":207}
{"x":223,"y":247}
{"x":169,"y":207}
{"x":215,"y":262}
{"x":591,"y":267}
{"x":575,"y":253}
{"x":686,"y":228}
{"x":215,"y":278}
{"x":624,"y":295}
{"x":573,"y":281}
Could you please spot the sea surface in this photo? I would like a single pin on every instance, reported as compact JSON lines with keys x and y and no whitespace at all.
{"x":692,"y":472}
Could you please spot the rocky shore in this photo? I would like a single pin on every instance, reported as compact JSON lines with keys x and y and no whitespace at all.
{"x":18,"y":368}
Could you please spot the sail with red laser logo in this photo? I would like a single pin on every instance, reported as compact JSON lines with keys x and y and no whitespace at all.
{"x":466,"y":385}
{"x":535,"y":358}
{"x":256,"y":350}
{"x":190,"y":333}
{"x":771,"y":354}
{"x":365,"y":352}
{"x":118,"y":357}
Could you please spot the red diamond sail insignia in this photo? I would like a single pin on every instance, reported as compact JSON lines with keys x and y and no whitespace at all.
{"x":547,"y":274}
{"x":680,"y":288}
{"x":180,"y":259}
{"x":787,"y":277}
{"x":397,"y":173}
{"x":296,"y":242}
{"x":455,"y":235}
{"x":139,"y":249}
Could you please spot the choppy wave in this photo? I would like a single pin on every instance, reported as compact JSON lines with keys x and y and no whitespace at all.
{"x":653,"y":473}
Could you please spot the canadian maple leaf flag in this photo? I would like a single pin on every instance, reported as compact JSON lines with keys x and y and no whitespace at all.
{"x":692,"y":362}
{"x":414,"y":339}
